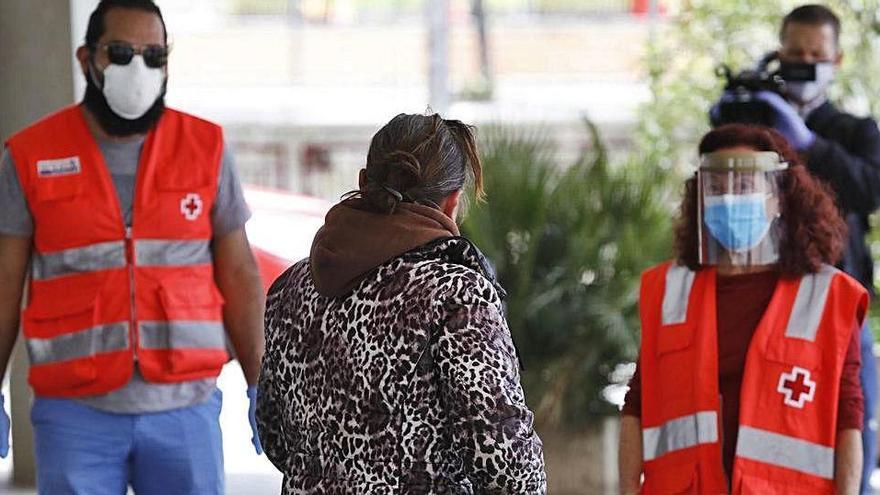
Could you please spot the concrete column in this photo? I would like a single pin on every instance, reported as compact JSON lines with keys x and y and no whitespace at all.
{"x":80,"y":10}
{"x":437,"y":13}
{"x":36,"y":71}
{"x":35,"y":79}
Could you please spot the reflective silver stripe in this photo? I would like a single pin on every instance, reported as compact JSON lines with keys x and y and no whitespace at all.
{"x":182,"y":335}
{"x":679,"y":281}
{"x":155,"y":252}
{"x":95,"y":340}
{"x":680,"y":433}
{"x":784,"y":451}
{"x":810,"y":304}
{"x":100,"y":256}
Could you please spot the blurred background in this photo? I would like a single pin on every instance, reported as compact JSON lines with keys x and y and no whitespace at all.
{"x":588,"y":113}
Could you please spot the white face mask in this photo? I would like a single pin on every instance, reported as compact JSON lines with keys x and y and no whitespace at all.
{"x":808,"y":91}
{"x":132,"y":89}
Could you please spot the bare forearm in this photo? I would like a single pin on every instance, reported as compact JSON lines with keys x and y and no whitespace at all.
{"x":848,"y":462}
{"x":14,"y":255}
{"x":238,"y":278}
{"x":9,"y":320}
{"x":8,"y":336}
{"x":630,"y":455}
{"x":243,"y":318}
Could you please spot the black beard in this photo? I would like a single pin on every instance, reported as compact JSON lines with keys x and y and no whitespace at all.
{"x":113,"y":124}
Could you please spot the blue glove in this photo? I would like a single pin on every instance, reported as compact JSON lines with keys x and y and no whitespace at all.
{"x":788,"y":122}
{"x":252,"y":417}
{"x":4,"y":430}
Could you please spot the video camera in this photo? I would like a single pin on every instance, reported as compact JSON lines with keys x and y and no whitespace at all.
{"x":770,"y":74}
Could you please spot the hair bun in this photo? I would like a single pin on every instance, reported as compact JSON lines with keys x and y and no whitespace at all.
{"x":402,"y":170}
{"x":420,"y":159}
{"x":392,"y":179}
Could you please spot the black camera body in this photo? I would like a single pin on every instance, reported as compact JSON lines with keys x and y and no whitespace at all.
{"x":741,"y":106}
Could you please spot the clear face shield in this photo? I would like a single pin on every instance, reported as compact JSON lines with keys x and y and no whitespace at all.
{"x":739,"y":208}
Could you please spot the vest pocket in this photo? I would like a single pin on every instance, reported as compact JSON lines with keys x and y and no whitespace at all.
{"x":62,"y":339}
{"x":191,"y":298}
{"x":194,"y":332}
{"x":57,"y":188}
{"x":671,"y":480}
{"x":45,"y":317}
{"x":183,"y":179}
{"x":58,"y":206}
{"x":795,"y":352}
{"x":671,"y":338}
{"x":753,"y":485}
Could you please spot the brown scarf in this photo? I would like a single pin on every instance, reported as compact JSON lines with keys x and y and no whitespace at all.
{"x":354,"y":240}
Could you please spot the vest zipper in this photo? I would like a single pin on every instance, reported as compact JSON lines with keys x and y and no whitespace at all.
{"x":129,"y":254}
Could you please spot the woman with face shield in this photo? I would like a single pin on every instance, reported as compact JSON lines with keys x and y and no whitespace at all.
{"x":747,"y":380}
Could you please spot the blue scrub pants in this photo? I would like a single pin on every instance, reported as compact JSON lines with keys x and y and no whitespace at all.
{"x":868,"y":377}
{"x":84,"y":451}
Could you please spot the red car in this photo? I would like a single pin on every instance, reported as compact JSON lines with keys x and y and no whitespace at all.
{"x":282,"y":228}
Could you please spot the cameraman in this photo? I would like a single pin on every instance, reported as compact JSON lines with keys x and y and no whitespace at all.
{"x":842,"y":149}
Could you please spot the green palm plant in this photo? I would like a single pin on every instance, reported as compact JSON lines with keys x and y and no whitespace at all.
{"x":569,"y":242}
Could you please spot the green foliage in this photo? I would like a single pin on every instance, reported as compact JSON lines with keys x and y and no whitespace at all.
{"x":259,"y":7}
{"x":683,"y":54}
{"x":859,"y":81}
{"x":569,"y":243}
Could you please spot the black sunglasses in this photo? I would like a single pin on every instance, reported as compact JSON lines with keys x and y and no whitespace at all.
{"x":121,"y":53}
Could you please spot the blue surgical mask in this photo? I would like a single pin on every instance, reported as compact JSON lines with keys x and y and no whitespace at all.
{"x":737,"y":221}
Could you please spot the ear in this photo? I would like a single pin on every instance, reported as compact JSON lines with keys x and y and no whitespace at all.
{"x":838,"y":59}
{"x":449,"y":205}
{"x":82,"y":56}
{"x":362,"y":178}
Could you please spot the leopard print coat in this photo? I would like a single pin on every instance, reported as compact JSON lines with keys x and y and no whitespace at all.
{"x":408,"y":385}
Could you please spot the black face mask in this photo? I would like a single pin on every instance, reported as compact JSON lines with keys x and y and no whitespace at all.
{"x":113,"y":124}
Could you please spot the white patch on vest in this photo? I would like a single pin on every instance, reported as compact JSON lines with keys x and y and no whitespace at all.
{"x":798,"y":376}
{"x":61,"y":166}
{"x":191,"y":206}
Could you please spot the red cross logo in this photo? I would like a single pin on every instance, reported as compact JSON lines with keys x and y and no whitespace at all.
{"x":796,"y":387}
{"x":191,"y":206}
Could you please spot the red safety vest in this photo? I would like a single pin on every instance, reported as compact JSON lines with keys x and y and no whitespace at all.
{"x":103,"y":296}
{"x":789,"y":396}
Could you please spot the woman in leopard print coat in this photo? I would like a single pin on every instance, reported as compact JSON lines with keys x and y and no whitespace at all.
{"x":389,"y":367}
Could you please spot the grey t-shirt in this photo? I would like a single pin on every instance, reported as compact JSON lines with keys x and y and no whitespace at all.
{"x":229,"y":213}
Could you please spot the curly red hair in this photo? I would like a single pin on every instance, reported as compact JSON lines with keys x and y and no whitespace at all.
{"x":814,"y":232}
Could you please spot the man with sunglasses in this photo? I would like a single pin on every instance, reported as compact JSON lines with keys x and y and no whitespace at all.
{"x":132,"y":218}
